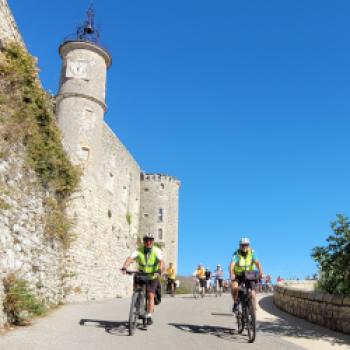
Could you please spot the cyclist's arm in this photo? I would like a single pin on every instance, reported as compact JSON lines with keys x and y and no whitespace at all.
{"x":258,"y":265}
{"x":231,"y":269}
{"x":161,"y":266}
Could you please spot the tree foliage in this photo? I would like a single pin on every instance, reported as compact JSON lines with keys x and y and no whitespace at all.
{"x":334,"y":259}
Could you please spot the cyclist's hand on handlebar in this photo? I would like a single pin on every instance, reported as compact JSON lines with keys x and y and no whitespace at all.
{"x":232,"y":277}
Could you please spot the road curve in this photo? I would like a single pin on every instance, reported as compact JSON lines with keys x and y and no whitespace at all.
{"x":180,"y":323}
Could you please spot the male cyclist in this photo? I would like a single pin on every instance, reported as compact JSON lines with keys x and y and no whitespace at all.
{"x":150,"y":260}
{"x":171,"y":275}
{"x":199,"y":273}
{"x":243,"y":259}
{"x":219,"y":277}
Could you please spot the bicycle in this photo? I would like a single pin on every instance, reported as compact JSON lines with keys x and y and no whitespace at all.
{"x":138,"y":306}
{"x":246,"y":315}
{"x":170,"y":287}
{"x":197,"y":290}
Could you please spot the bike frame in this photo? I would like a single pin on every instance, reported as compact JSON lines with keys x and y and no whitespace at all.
{"x":138,"y":307}
{"x":246,"y":318}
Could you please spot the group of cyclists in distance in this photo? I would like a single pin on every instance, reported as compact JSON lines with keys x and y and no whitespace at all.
{"x":244,"y":260}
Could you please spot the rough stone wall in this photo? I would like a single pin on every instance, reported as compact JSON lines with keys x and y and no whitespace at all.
{"x":160,"y":192}
{"x":8,"y":26}
{"x":107,"y":223}
{"x":105,"y":236}
{"x":24,"y":249}
{"x":331,"y":311}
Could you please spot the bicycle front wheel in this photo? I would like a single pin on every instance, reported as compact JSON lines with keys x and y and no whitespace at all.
{"x":134,"y":312}
{"x":251,"y":323}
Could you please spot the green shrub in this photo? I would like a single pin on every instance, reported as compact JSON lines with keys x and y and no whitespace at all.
{"x":20,"y":304}
{"x":334,"y":259}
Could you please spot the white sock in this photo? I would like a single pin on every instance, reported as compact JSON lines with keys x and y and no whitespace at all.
{"x":149,"y":315}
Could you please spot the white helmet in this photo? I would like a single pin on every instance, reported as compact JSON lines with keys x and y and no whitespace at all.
{"x":244,"y":240}
{"x":148,"y":236}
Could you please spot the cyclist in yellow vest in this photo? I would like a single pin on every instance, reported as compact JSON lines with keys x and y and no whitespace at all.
{"x":171,"y":275}
{"x":150,"y":260}
{"x":243,"y":259}
{"x":199,"y":273}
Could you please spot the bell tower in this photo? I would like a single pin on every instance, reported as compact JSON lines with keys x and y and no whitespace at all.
{"x":80,"y":102}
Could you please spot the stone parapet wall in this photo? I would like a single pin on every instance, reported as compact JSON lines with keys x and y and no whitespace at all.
{"x":331,"y":311}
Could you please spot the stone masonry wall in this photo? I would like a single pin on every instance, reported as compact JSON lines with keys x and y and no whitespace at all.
{"x":107,"y":223}
{"x":331,"y":311}
{"x":8,"y":26}
{"x":24,"y":249}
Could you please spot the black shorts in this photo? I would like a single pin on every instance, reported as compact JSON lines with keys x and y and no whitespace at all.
{"x":249,"y":284}
{"x":219,"y":281}
{"x":203,"y":282}
{"x":153,"y":285}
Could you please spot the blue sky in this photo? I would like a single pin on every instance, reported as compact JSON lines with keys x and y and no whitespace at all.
{"x":246,"y":102}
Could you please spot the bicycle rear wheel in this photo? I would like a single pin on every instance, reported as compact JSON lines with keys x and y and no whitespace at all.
{"x":134,"y":312}
{"x":251,"y":323}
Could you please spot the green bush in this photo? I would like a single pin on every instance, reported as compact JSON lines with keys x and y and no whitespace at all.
{"x":334,"y":259}
{"x":20,"y":304}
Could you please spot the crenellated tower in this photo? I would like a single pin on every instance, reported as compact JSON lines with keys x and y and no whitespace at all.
{"x":159,"y":212}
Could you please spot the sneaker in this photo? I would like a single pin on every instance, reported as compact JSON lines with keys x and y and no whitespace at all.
{"x":149,"y":321}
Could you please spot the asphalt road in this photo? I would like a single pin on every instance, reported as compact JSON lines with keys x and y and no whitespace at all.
{"x":180,"y":323}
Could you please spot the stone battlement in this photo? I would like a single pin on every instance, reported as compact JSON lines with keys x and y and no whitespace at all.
{"x":159,"y":177}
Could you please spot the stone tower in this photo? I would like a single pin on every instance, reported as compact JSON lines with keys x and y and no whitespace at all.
{"x":159,"y":212}
{"x":106,"y":207}
{"x":80,"y":103}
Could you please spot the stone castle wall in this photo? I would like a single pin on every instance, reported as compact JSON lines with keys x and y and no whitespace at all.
{"x":159,"y":212}
{"x":8,"y":26}
{"x":106,"y":209}
{"x":24,"y":249}
{"x":331,"y":311}
{"x":107,"y":216}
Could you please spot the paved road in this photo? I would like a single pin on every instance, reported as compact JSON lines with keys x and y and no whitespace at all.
{"x":180,"y":323}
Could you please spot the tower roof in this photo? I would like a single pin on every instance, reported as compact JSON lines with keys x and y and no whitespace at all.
{"x":89,"y":36}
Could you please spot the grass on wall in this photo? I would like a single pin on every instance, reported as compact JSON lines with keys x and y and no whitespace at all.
{"x":26,"y":117}
{"x":20,"y":304}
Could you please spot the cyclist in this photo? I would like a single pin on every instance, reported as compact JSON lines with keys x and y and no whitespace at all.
{"x":199,"y":273}
{"x":243,"y":260}
{"x":171,"y":275}
{"x":207,"y":278}
{"x":150,"y":260}
{"x":219,"y":276}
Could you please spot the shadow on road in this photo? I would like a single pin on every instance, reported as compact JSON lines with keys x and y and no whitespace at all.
{"x":112,"y":327}
{"x":288,"y":325}
{"x":220,"y":332}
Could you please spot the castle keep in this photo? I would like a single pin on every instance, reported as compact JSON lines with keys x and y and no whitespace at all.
{"x":116,"y":202}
